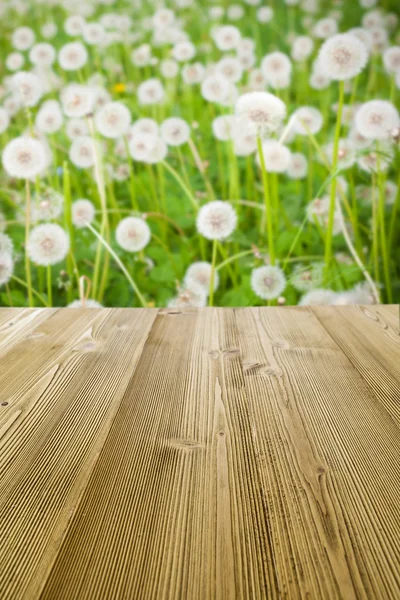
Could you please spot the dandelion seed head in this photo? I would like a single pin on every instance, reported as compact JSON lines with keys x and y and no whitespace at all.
{"x":200,"y":274}
{"x":227,"y":37}
{"x":49,"y":118}
{"x":184,"y":51}
{"x":23,"y":38}
{"x":169,"y":68}
{"x":262,"y":111}
{"x":175,"y":131}
{"x":298,"y":166}
{"x":77,"y":100}
{"x":268,"y":282}
{"x":343,"y":56}
{"x":191,"y":295}
{"x":307,"y":119}
{"x":4,"y":120}
{"x":6,"y":244}
{"x":42,"y":54}
{"x":85,"y":304}
{"x":48,"y":244}
{"x":376,"y":119}
{"x":216,"y":220}
{"x":25,"y":158}
{"x":302,"y":48}
{"x":276,"y":68}
{"x":6,"y":267}
{"x":81,"y":152}
{"x":113,"y":120}
{"x":72,"y":56}
{"x":277,"y":156}
{"x":150,"y":92}
{"x":46,"y":206}
{"x":83,"y":212}
{"x":28,"y":87}
{"x":193,"y":73}
{"x":317,"y":297}
{"x":133,"y":234}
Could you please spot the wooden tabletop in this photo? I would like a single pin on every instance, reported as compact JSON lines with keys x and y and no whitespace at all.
{"x":218,"y":453}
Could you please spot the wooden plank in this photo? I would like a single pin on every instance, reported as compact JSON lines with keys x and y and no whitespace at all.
{"x":173,"y":507}
{"x":62,"y":419}
{"x":327,"y":456}
{"x":370,"y":338}
{"x":19,"y":323}
{"x":220,"y":453}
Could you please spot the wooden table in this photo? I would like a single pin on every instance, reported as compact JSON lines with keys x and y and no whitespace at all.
{"x":218,"y":453}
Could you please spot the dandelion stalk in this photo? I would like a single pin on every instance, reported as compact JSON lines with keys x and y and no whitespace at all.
{"x":212,"y":278}
{"x":182,"y":184}
{"x":119,"y":263}
{"x":49,"y":286}
{"x":267,"y":200}
{"x":332,"y":200}
{"x":27,"y":230}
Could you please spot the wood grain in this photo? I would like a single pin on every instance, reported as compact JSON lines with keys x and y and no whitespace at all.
{"x":217,"y":453}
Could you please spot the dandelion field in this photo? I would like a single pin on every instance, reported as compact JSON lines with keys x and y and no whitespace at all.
{"x":199,"y":153}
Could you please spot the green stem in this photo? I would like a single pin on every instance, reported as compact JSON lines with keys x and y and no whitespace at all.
{"x":213,"y":261}
{"x":267,"y":200}
{"x":332,"y":202}
{"x":119,"y":263}
{"x":27,"y":230}
{"x":49,"y":286}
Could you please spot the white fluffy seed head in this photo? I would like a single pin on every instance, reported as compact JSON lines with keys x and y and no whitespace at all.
{"x":42,"y":55}
{"x":193,"y":73}
{"x":133,"y":234}
{"x":391,"y":59}
{"x":77,"y":100}
{"x":76,"y":128}
{"x":261,"y":111}
{"x":216,"y":88}
{"x":14,"y":61}
{"x":189,"y":296}
{"x":307,"y":119}
{"x":227,"y":37}
{"x":184,"y":51}
{"x":141,"y":145}
{"x":49,"y":118}
{"x":73,"y":56}
{"x":298,"y":166}
{"x":23,"y":38}
{"x":376,"y":119}
{"x":343,"y":56}
{"x":317,"y":297}
{"x":150,"y":92}
{"x":175,"y":131}
{"x":25,"y":158}
{"x":81,"y":152}
{"x":83,"y":212}
{"x":47,"y":205}
{"x":4,"y":120}
{"x":6,"y":243}
{"x":216,"y":220}
{"x":84,"y":304}
{"x":28,"y":88}
{"x":113,"y":120}
{"x":48,"y":244}
{"x":6,"y":267}
{"x":276,"y":68}
{"x":276,"y":156}
{"x":268,"y":282}
{"x":200,"y":274}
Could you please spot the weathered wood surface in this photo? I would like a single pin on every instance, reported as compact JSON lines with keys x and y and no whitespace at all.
{"x":218,"y":453}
